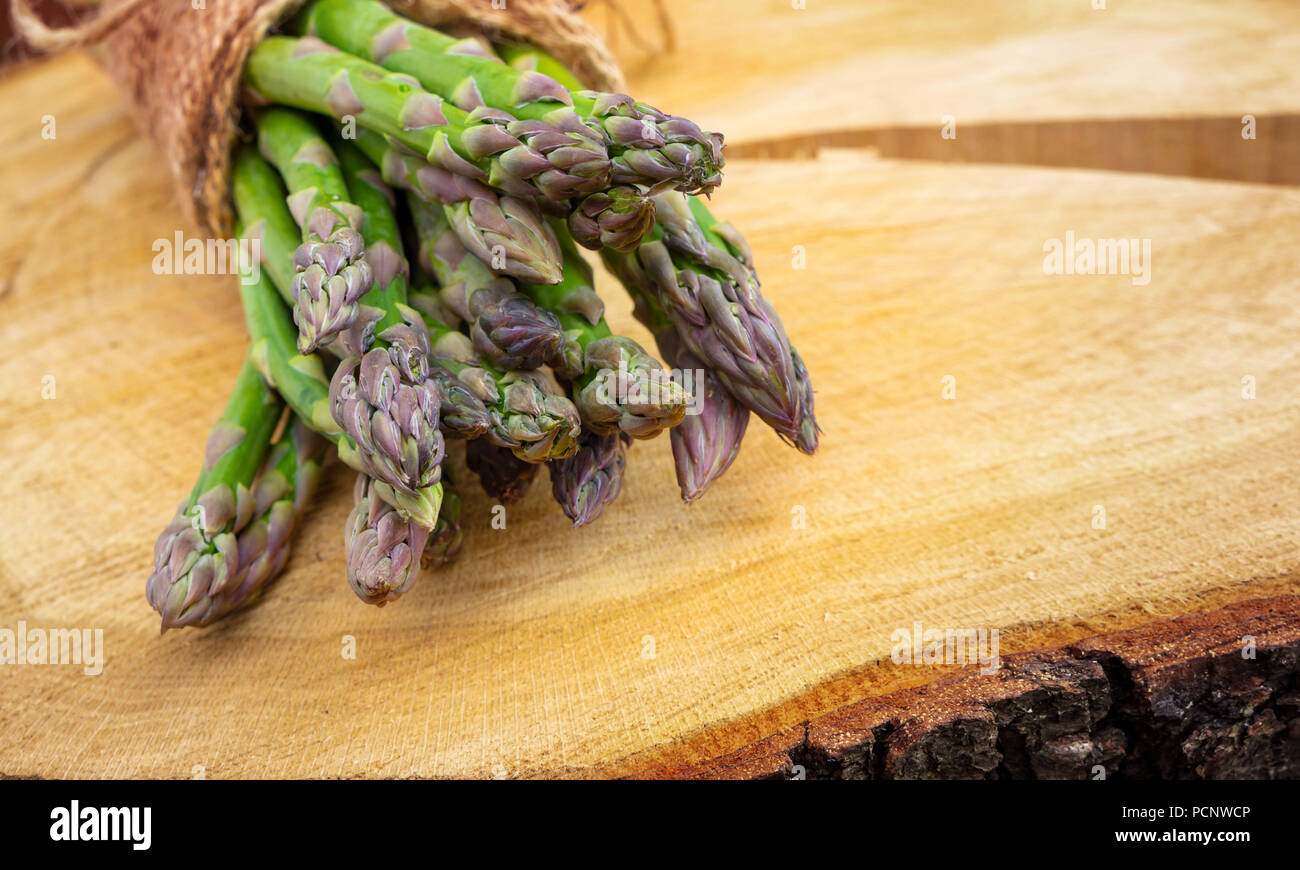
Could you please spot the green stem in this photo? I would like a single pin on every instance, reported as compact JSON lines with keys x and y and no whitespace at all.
{"x":259,"y":201}
{"x":310,"y":170}
{"x":196,"y":558}
{"x":308,"y":74}
{"x":242,"y":435}
{"x":299,"y":379}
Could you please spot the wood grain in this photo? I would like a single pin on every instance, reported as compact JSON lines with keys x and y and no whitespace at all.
{"x":759,"y":69}
{"x":1182,"y":698}
{"x":663,"y":632}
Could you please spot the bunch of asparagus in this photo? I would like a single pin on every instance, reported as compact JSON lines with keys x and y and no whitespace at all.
{"x":418,"y":201}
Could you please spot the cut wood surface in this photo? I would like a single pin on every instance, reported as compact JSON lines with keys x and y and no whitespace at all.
{"x":761,"y":69}
{"x":664,"y":634}
{"x":1205,"y":696}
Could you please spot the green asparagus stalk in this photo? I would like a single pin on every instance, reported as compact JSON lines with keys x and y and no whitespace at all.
{"x":331,"y":272}
{"x":724,"y":240}
{"x":504,"y":325}
{"x":704,"y":271}
{"x":461,"y":413}
{"x":589,"y":481}
{"x":515,"y":157}
{"x":688,"y":158}
{"x":259,"y":198}
{"x":707,"y":440}
{"x":503,"y":476}
{"x":619,"y":386}
{"x":450,"y":346}
{"x":809,"y":430}
{"x":565,"y":162}
{"x":618,"y":218}
{"x":528,"y":412}
{"x":534,"y":417}
{"x":393,"y":438}
{"x":653,"y":148}
{"x":301,"y":382}
{"x":573,"y":301}
{"x":507,"y":232}
{"x":282,"y":492}
{"x":191,"y":555}
{"x":383,"y":395}
{"x":231,"y":537}
{"x":704,"y":444}
{"x":549,"y":131}
{"x":726,"y":325}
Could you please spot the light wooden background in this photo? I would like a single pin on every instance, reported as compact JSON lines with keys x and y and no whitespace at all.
{"x":668,"y":632}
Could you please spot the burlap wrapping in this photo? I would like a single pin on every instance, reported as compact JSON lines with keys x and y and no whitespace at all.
{"x":179,"y":68}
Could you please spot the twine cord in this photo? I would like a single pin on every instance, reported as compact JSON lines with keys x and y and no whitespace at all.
{"x":54,"y":39}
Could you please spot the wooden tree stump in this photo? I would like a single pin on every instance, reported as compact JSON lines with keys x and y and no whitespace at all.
{"x":1209,"y":696}
{"x":1062,"y":458}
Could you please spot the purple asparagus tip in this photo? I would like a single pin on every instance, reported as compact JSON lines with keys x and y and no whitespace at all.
{"x":589,"y":481}
{"x":504,"y":476}
{"x":383,"y":549}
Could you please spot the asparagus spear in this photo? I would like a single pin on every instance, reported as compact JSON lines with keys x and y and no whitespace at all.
{"x":704,"y":444}
{"x":231,"y":536}
{"x":633,"y":129}
{"x":618,"y":218}
{"x":712,"y":293}
{"x":383,"y":395}
{"x":576,"y":160}
{"x":452,"y":348}
{"x":331,"y":272}
{"x":707,"y":440}
{"x":259,"y":198}
{"x":301,"y":382}
{"x":462,"y":414}
{"x":528,"y":411}
{"x":285,"y":485}
{"x":726,"y":325}
{"x":721,"y":236}
{"x":809,"y":431}
{"x":589,"y":481}
{"x":476,"y":81}
{"x":534,"y":418}
{"x":503,"y":476}
{"x":507,"y":232}
{"x":383,"y":548}
{"x":190,"y":555}
{"x":520,"y":158}
{"x":618,"y":386}
{"x":652,"y":148}
{"x":505,"y":326}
